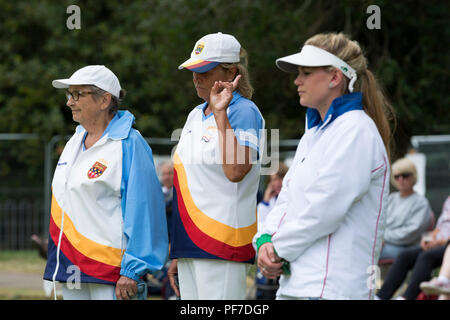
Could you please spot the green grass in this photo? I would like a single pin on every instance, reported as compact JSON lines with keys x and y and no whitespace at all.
{"x":27,"y":261}
{"x":22,"y":294}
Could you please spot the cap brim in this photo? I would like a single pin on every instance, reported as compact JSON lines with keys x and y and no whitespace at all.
{"x":291,"y":63}
{"x":65,"y":83}
{"x":197,"y":65}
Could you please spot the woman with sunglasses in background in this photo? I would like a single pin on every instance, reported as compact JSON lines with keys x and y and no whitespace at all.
{"x":108,"y":222}
{"x":409,"y":213}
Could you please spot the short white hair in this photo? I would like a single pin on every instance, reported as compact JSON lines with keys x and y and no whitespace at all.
{"x":404,"y":165}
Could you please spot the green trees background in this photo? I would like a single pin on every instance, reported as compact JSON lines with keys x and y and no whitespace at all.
{"x":143,"y":42}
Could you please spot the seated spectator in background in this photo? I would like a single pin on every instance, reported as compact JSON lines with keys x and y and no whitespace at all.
{"x":421,"y":260}
{"x":441,"y":284}
{"x":158,"y":282}
{"x":266,"y":289}
{"x":167,"y":179}
{"x":409,"y":213}
{"x":271,"y":193}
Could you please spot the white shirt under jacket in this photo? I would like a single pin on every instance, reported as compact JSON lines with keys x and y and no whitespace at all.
{"x":328,"y":221}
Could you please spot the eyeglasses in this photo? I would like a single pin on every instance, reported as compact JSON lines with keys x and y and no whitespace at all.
{"x":75,"y":95}
{"x":403,"y":175}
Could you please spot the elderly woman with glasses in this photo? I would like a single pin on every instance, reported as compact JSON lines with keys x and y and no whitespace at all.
{"x":107,"y":226}
{"x":409,"y":213}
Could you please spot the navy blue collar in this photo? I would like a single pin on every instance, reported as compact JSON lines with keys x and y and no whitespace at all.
{"x":339,"y":106}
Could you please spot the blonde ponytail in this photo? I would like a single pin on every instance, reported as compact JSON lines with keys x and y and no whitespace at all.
{"x":377,"y":107}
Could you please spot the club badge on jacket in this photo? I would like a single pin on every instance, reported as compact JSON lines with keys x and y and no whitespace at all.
{"x":97,"y":169}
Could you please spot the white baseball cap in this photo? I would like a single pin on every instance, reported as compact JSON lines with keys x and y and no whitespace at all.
{"x":96,"y":75}
{"x":312,"y":56}
{"x":211,"y":50}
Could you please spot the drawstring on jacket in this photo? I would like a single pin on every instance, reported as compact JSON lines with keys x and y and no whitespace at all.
{"x":57,"y":255}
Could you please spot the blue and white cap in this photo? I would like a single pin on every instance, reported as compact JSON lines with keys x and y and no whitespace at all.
{"x":211,"y":50}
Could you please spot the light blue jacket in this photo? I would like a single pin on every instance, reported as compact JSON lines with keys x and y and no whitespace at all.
{"x":108,"y":214}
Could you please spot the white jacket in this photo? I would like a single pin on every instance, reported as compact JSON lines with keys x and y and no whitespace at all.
{"x":328,"y":221}
{"x":107,"y":216}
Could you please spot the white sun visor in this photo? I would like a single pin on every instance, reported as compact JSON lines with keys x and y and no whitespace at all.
{"x":311,"y":56}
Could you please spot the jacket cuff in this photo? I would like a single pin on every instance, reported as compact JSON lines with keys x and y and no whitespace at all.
{"x":261,"y":240}
{"x":129,"y":274}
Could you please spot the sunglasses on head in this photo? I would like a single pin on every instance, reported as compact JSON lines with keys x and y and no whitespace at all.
{"x":403,"y":175}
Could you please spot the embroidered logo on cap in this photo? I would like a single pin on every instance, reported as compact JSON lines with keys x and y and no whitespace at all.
{"x":96,"y":170}
{"x":199,"y":48}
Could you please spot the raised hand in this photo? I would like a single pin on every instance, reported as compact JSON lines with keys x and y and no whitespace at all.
{"x":221,"y":95}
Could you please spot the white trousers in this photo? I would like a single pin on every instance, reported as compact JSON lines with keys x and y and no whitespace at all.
{"x":210,"y":279}
{"x":88,"y":291}
{"x":285,"y":297}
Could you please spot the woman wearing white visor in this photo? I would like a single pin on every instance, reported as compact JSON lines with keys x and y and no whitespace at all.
{"x":324,"y":234}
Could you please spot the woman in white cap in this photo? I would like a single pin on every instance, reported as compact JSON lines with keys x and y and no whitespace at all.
{"x":107,"y":226}
{"x":324,"y":234}
{"x":216,"y":176}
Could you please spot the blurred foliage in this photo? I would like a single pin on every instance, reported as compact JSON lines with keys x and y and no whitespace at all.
{"x":143,"y":42}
